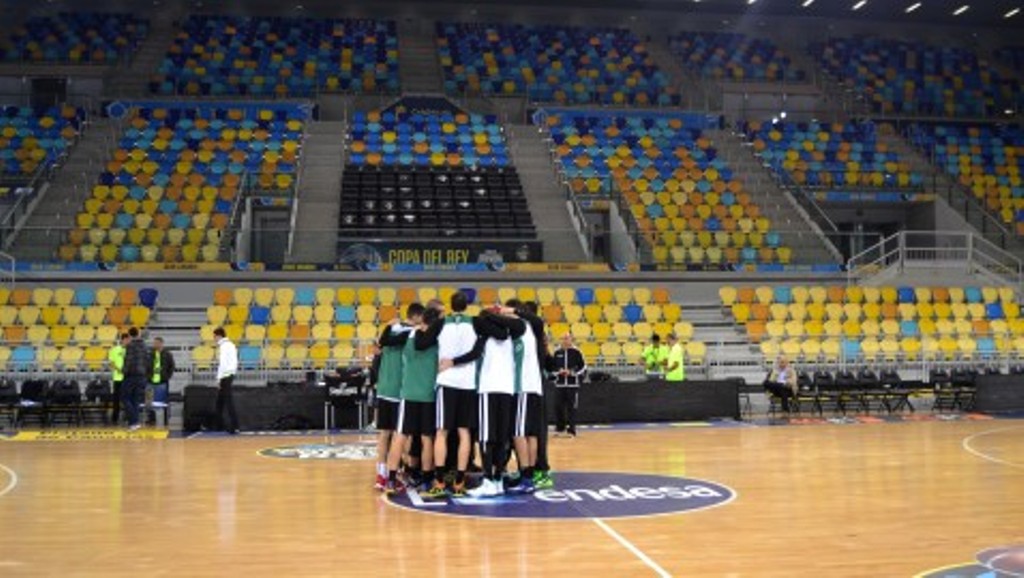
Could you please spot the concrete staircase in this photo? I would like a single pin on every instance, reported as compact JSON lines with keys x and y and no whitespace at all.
{"x":938,"y":182}
{"x":545,"y":196}
{"x":787,"y":216}
{"x":418,"y":66}
{"x":132,"y":80}
{"x":47,"y":226}
{"x":697,"y":94}
{"x":316,"y":225}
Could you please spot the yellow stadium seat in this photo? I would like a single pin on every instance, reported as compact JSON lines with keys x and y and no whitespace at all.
{"x":107,"y":333}
{"x":322,"y":332}
{"x":545,"y":296}
{"x":50,"y":315}
{"x":324,"y":296}
{"x":889,"y":294}
{"x":727,"y":294}
{"x":800,"y":294}
{"x":956,"y":295}
{"x":366,"y":331}
{"x":296,"y":354}
{"x":525,"y":294}
{"x":202,"y":356}
{"x":387,"y":295}
{"x":302,"y":314}
{"x":764,"y":294}
{"x":590,"y":351}
{"x":282,"y":295}
{"x":831,"y":350}
{"x":8,"y":315}
{"x":38,"y":334}
{"x":255,"y":334}
{"x":910,"y":347}
{"x":61,"y":335}
{"x":1007,"y":295}
{"x":346,"y":296}
{"x":622,"y":331}
{"x":612,"y":313}
{"x":238,"y":314}
{"x":138,"y":315}
{"x":581,"y":330}
{"x":565,"y":295}
{"x":741,"y":312}
{"x":779,"y":311}
{"x":834,"y":311}
{"x":923,"y":294}
{"x":366,"y":296}
{"x":770,"y":349}
{"x":642,"y":331}
{"x":28,"y":315}
{"x":890,"y":347}
{"x":366,"y":314}
{"x":943,"y":310}
{"x":273,"y":355}
{"x":641,"y":296}
{"x":671,"y":312}
{"x":42,"y":296}
{"x":602,"y":331}
{"x":324,"y":313}
{"x":106,"y":296}
{"x":277,"y":332}
{"x":794,"y":328}
{"x":344,"y":332}
{"x":343,"y":353}
{"x":611,"y":351}
{"x":83,"y":334}
{"x":870,"y":347}
{"x":966,"y":346}
{"x":811,"y":349}
{"x":572,"y":313}
{"x":791,"y":348}
{"x":632,"y":351}
{"x":818,"y":294}
{"x":855,"y":294}
{"x":592,"y":313}
{"x":427,"y":293}
{"x":94,"y":357}
{"x":319,"y":353}
{"x":652,"y":313}
{"x":603,"y":295}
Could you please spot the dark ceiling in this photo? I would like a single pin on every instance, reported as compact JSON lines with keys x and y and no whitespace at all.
{"x":979,"y":14}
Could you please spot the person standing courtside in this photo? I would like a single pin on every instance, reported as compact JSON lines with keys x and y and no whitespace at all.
{"x":568,"y":365}
{"x":161,"y":370}
{"x":115,"y":357}
{"x":227,"y":366}
{"x":136,"y":370}
{"x":389,"y":385}
{"x":654,"y":357}
{"x":675,"y":364}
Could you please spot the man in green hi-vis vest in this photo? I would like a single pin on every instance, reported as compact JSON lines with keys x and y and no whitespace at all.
{"x":115,"y":358}
{"x":675,"y":367}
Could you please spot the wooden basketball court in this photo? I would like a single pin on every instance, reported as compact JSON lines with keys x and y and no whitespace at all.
{"x":828,"y":500}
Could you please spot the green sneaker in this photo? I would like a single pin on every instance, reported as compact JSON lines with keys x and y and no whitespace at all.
{"x":436,"y":492}
{"x":542,"y":480}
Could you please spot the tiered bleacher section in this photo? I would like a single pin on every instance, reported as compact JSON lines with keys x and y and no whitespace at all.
{"x":1012,"y":56}
{"x":237,"y":55}
{"x":684,"y":199}
{"x":168,"y":193}
{"x":433,"y":175}
{"x":34,"y":137}
{"x":823,"y":155}
{"x":983,"y":159}
{"x":733,"y":56}
{"x":75,"y":38}
{"x":901,"y":77}
{"x":551,"y":64}
{"x":326,"y":327}
{"x":67,"y":328}
{"x":879,"y":324}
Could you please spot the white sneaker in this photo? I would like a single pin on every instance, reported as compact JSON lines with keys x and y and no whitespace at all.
{"x":497,"y":489}
{"x":135,"y":427}
{"x":483,"y":490}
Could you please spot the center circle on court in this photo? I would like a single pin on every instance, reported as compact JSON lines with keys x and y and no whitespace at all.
{"x":584,"y":495}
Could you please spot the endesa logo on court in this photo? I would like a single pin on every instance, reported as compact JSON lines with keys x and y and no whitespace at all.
{"x":587,"y":495}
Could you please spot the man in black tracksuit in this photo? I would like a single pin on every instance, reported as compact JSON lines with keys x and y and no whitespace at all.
{"x":568,"y":366}
{"x":136,"y":369}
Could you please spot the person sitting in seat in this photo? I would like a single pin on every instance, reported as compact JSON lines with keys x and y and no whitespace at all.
{"x":782,"y":382}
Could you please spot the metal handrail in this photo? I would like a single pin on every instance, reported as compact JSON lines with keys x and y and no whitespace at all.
{"x":7,"y":273}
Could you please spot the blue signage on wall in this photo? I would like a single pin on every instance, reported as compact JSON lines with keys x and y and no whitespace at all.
{"x":586,"y":495}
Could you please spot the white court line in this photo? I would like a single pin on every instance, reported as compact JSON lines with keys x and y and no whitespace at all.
{"x":966,"y":443}
{"x":629,"y":546}
{"x":13,"y":480}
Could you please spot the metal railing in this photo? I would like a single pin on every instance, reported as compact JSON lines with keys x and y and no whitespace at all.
{"x":7,"y":270}
{"x":963,"y":251}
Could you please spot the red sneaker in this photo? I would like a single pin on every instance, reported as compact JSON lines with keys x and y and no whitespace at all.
{"x":396,"y":487}
{"x":381,"y":483}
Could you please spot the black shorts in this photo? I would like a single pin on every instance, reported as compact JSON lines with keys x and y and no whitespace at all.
{"x":416,"y":418}
{"x":387,"y":414}
{"x":529,"y":415}
{"x":496,"y":413}
{"x":456,"y":408}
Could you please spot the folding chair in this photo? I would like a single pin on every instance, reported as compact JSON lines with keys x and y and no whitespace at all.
{"x":9,"y":401}
{"x":946,"y":396}
{"x":32,"y":402}
{"x":962,"y":380}
{"x":849,"y":391}
{"x":64,"y":403}
{"x":897,"y":396}
{"x":871,"y":390}
{"x":807,"y":393}
{"x":96,"y":406}
{"x":828,"y":394}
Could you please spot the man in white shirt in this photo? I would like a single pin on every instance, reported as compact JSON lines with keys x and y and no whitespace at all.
{"x":227,"y":366}
{"x":455,"y":337}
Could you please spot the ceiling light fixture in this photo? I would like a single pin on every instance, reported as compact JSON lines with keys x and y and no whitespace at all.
{"x":961,"y":10}
{"x":913,"y":7}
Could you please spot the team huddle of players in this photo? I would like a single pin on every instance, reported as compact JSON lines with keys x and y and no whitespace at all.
{"x":445,"y":378}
